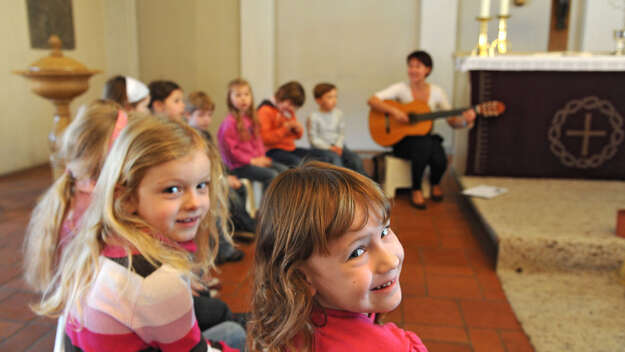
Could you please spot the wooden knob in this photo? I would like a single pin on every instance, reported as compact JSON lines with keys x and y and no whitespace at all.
{"x":56,"y":44}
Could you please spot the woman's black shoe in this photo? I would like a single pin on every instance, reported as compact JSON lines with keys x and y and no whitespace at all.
{"x":420,"y":206}
{"x":437,"y":198}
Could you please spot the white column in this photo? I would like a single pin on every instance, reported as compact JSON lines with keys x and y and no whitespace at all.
{"x":258,"y":46}
{"x":437,"y":35}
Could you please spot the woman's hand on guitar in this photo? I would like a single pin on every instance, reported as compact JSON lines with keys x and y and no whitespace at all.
{"x":469,"y":116}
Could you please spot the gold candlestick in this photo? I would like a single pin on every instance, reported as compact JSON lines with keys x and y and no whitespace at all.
{"x":483,"y":46}
{"x":500,"y":45}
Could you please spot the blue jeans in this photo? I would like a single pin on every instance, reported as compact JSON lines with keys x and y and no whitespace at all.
{"x":263,"y":174}
{"x":348,"y":159}
{"x":300,"y":155}
{"x":229,"y":332}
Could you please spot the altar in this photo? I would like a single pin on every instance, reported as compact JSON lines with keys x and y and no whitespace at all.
{"x":563,"y":119}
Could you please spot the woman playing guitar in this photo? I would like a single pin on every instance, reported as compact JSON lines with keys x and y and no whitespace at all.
{"x":426,"y":149}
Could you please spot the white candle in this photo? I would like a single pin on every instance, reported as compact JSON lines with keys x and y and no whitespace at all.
{"x":485,"y":9}
{"x":504,"y":7}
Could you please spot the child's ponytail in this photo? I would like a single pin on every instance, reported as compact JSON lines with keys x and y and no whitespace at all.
{"x":42,"y":235}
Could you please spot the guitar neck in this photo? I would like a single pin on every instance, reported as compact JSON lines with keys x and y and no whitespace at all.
{"x":414,"y":118}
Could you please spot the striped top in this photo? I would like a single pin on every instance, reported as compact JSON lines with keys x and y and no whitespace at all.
{"x":146,"y":309}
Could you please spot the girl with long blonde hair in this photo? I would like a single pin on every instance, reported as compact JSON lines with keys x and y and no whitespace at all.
{"x":240,"y":142}
{"x":327,"y":263}
{"x":81,"y":151}
{"x":124,"y":281}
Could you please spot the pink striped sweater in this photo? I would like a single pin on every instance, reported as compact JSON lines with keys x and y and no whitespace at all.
{"x":146,"y":309}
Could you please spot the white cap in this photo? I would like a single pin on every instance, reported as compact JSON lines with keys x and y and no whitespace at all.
{"x":136,"y":90}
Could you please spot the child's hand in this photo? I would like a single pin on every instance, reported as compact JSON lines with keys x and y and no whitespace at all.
{"x":234,"y":182}
{"x":197,"y":287}
{"x":337,"y":150}
{"x":261,"y":161}
{"x":297,"y":127}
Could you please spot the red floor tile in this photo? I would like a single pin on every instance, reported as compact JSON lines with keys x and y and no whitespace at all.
{"x":462,"y":241}
{"x":488,"y":314}
{"x":396,"y":316}
{"x":9,"y":272}
{"x":434,"y":346}
{"x":485,"y":340}
{"x":516,"y":341}
{"x":26,"y":337}
{"x":445,"y":261}
{"x":439,"y":333}
{"x":491,"y":287}
{"x":427,"y":310}
{"x":7,"y":328}
{"x":15,"y":307}
{"x":412,"y":279}
{"x":45,"y":343}
{"x":453,"y":286}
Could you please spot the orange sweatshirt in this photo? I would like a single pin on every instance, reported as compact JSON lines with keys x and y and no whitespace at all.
{"x":275,"y":135}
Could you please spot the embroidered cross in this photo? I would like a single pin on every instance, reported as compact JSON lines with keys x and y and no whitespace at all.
{"x":586,"y":133}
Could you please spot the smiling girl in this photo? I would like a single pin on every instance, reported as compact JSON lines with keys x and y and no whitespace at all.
{"x":123,"y":284}
{"x":327,"y":263}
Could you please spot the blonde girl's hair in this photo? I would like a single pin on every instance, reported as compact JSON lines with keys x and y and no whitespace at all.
{"x":84,"y":143}
{"x":145,"y":143}
{"x":303,"y":210}
{"x":250,"y":113}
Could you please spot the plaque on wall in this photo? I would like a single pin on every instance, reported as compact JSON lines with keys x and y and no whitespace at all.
{"x":50,"y":17}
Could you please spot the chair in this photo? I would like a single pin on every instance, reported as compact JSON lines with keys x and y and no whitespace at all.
{"x":59,"y":343}
{"x":398,"y":174}
{"x":254,"y":195}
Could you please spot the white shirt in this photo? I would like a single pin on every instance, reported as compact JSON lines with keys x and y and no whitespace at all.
{"x":402,"y":93}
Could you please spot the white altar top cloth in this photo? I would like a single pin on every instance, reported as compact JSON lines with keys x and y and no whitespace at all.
{"x":541,"y":62}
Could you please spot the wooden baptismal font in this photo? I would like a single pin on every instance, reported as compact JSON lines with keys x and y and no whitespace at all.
{"x":59,"y":79}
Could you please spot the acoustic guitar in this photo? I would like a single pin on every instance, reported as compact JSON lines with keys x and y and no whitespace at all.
{"x":386,"y":130}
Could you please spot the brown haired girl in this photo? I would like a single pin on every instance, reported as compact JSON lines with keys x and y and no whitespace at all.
{"x":326,"y":264}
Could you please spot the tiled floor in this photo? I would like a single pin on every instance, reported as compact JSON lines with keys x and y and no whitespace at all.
{"x":452,"y":297}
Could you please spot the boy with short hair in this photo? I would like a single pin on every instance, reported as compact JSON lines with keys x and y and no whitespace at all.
{"x":199,"y":110}
{"x":280,"y":129}
{"x":326,"y":128}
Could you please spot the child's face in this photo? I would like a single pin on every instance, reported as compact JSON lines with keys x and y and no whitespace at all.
{"x":286,"y":108}
{"x":361,"y":273}
{"x":417,"y":71}
{"x":173,"y":105}
{"x":241,"y":97}
{"x":173,"y":197}
{"x":327,"y":102}
{"x":201,"y":119}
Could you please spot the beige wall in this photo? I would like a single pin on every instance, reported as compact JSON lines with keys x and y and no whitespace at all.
{"x":102,"y":42}
{"x":194,"y":43}
{"x":359,"y":45}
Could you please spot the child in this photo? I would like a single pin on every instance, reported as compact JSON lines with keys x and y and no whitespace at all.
{"x":124,"y":282}
{"x":280,"y":128}
{"x":326,"y":129}
{"x":199,"y":111}
{"x":82,"y":150}
{"x":239,"y":138}
{"x":326,"y":264}
{"x":167,"y":99}
{"x":128,"y":92}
